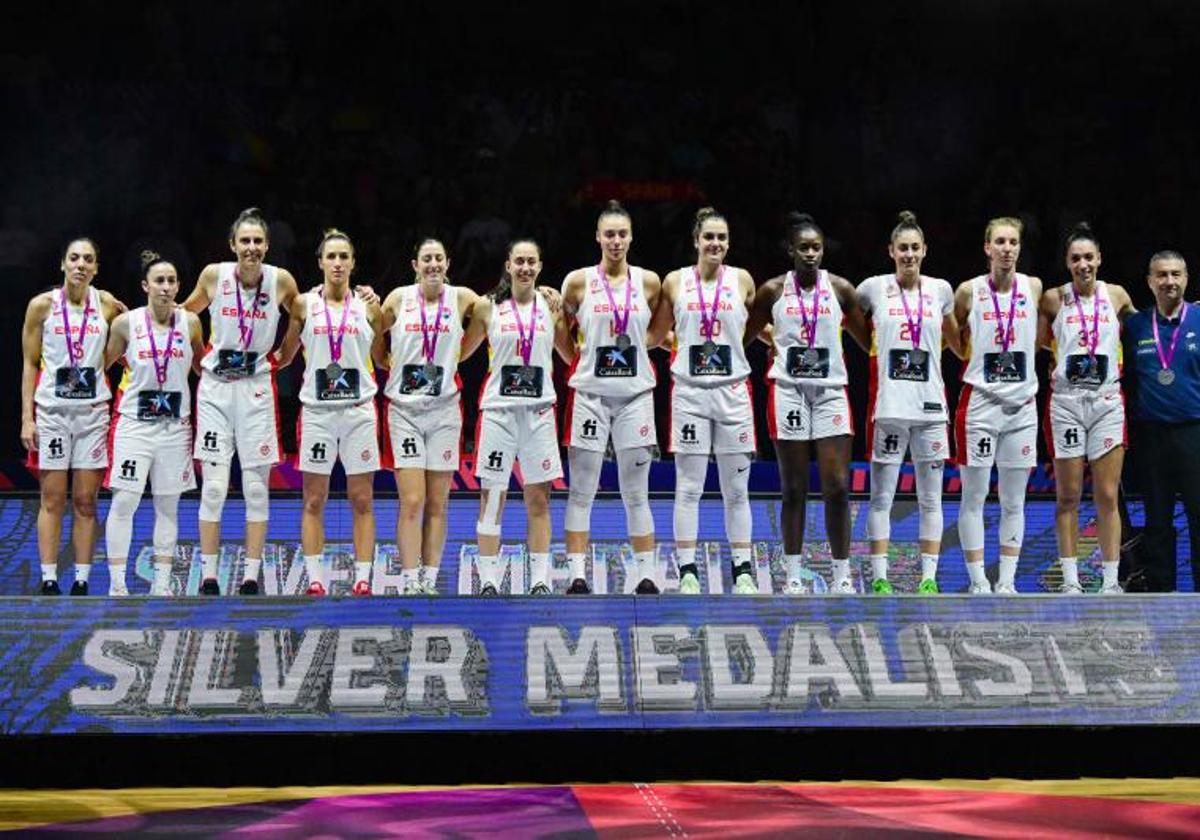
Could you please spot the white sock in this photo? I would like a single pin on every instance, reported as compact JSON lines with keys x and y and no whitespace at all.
{"x":539,"y":568}
{"x":49,"y":571}
{"x":430,"y":573}
{"x":578,"y":563}
{"x":250,"y":572}
{"x":314,"y":564}
{"x":795,"y":563}
{"x":489,"y":570}
{"x":646,"y":565}
{"x":1070,"y":569}
{"x":683,"y":556}
{"x":116,"y":577}
{"x":209,"y":562}
{"x":408,"y":576}
{"x":879,"y":564}
{"x":929,"y":566}
{"x":841,"y":568}
{"x":1008,"y":568}
{"x":82,"y":572}
{"x":362,"y":570}
{"x":978,"y":574}
{"x":1110,"y":568}
{"x":162,"y":577}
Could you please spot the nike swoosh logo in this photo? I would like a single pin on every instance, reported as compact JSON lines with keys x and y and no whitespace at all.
{"x":641,"y":463}
{"x":743,"y":469}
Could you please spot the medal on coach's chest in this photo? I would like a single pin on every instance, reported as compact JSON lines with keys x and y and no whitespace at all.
{"x":1166,"y":376}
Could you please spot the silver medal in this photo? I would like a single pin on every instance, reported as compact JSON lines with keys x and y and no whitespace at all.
{"x":430,"y":371}
{"x":1005,"y":359}
{"x":810,"y":357}
{"x":709,"y":347}
{"x":624,"y":342}
{"x":1166,"y":376}
{"x":918,"y":357}
{"x":333,"y":371}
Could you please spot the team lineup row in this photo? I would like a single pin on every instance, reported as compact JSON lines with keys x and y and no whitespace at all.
{"x":603,"y":323}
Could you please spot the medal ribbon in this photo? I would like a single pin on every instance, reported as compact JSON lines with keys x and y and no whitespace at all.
{"x":525,"y":345}
{"x":429,"y":344}
{"x":1090,"y":340}
{"x":75,"y":350}
{"x":1165,"y":358}
{"x":620,"y":321}
{"x":246,"y":333}
{"x":707,"y":318}
{"x":160,"y":371}
{"x":335,"y":346}
{"x":914,"y":327}
{"x":1006,"y":332}
{"x":810,"y":330}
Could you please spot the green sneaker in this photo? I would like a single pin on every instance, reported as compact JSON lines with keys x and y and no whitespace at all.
{"x":928,"y":587}
{"x":689,"y":584}
{"x":881,"y":586}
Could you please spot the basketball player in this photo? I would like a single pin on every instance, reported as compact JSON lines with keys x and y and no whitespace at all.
{"x":237,"y":402}
{"x":906,"y":409}
{"x":152,"y":427}
{"x":807,"y":403}
{"x":1080,"y":322}
{"x":611,"y":403}
{"x":707,"y":305}
{"x":516,"y":417}
{"x":996,"y":421}
{"x":64,"y":407}
{"x":337,"y":413}
{"x":422,"y":332}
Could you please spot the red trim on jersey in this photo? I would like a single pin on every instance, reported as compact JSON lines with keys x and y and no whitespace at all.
{"x":1047,"y":430}
{"x":849,"y":412}
{"x":387,"y":455}
{"x":772,"y":426}
{"x":568,"y":417}
{"x":112,"y":434}
{"x":670,"y":416}
{"x":960,"y":425}
{"x":872,"y":392}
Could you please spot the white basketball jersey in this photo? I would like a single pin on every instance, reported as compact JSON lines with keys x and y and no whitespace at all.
{"x":352,"y":382}
{"x":510,"y":382}
{"x":1076,"y":368}
{"x":238,"y":348}
{"x":796,"y":362}
{"x":602,"y":367}
{"x":57,"y":384}
{"x":1010,"y":377}
{"x":690,"y":362}
{"x":409,"y":380}
{"x":906,"y":378}
{"x":141,"y":394}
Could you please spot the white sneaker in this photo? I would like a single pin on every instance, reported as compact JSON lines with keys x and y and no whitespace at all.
{"x":795,"y":586}
{"x":413,"y":587}
{"x":745,"y":585}
{"x":689,"y":584}
{"x":1003,"y":588}
{"x":1112,"y":589}
{"x":1071,"y":588}
{"x":428,"y":586}
{"x":984,"y":588}
{"x":843,"y":586}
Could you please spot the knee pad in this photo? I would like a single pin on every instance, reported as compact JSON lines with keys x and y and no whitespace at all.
{"x":975,"y":482}
{"x":214,"y":488}
{"x":883,"y":492}
{"x":633,"y":471}
{"x":166,"y":525}
{"x":255,"y":481}
{"x":118,"y":528}
{"x":734,"y":470}
{"x":585,"y":478}
{"x":690,"y":471}
{"x":929,"y":499}
{"x":1012,"y":506}
{"x":488,"y":523}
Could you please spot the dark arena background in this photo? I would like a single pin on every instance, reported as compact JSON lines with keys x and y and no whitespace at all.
{"x":152,"y":125}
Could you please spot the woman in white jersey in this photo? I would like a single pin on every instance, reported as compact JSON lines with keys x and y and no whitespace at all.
{"x":711,"y":410}
{"x":906,"y":408}
{"x":516,"y":411}
{"x":337,"y":408}
{"x":237,"y":406}
{"x":64,"y":407}
{"x":808,"y":406}
{"x":420,"y":341}
{"x":996,"y":421}
{"x":1080,"y":323}
{"x":612,"y":392}
{"x":151,"y":435}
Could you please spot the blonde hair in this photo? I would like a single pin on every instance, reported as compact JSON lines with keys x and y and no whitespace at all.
{"x":1002,"y":221}
{"x":907,"y":221}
